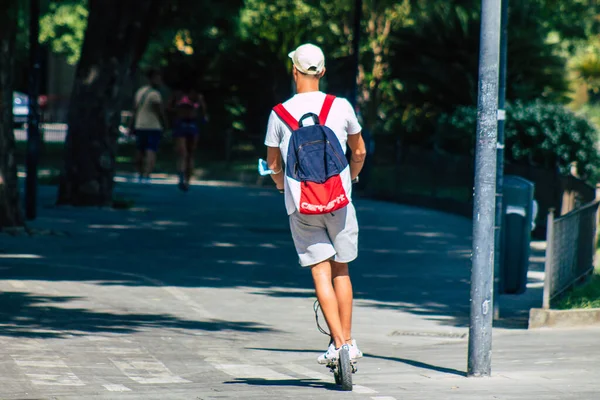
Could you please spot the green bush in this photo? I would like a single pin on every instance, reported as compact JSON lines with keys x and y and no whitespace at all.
{"x":585,"y":296}
{"x":537,"y":133}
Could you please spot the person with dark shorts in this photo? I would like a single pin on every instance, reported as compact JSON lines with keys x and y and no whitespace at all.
{"x":149,"y":121}
{"x":186,"y":107}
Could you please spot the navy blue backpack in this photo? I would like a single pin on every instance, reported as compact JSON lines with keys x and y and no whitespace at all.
{"x":316,"y":170}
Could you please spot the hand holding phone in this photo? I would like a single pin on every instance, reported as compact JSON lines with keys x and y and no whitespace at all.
{"x":263,"y":168}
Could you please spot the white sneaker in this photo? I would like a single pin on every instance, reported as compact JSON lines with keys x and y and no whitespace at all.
{"x":330,"y":356}
{"x":355,"y":352}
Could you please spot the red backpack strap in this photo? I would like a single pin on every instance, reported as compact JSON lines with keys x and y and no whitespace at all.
{"x":286,"y":117}
{"x":326,"y":108}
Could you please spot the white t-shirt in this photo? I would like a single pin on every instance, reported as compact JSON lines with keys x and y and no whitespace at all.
{"x":341,"y":120}
{"x":145,"y":100}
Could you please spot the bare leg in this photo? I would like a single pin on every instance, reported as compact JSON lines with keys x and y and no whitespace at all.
{"x":192,"y":143}
{"x":327,"y":298}
{"x":150,"y":161}
{"x":181,"y":150}
{"x":343,"y":292}
{"x":139,"y":162}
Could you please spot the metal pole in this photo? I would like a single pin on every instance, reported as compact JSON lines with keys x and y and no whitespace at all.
{"x":482,"y":271}
{"x":500,"y":154}
{"x":356,"y":50}
{"x":548,"y":270}
{"x":33,"y":133}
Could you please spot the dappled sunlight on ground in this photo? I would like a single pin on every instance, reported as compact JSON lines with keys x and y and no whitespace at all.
{"x":21,"y":256}
{"x":411,"y":261}
{"x":61,"y":310}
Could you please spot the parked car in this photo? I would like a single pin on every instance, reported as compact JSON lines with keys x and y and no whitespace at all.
{"x":20,"y":109}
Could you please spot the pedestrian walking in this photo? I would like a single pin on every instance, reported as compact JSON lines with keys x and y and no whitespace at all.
{"x":189,"y":111}
{"x":149,"y":121}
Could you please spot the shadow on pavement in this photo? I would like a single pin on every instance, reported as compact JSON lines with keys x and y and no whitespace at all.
{"x":313,"y":383}
{"x":419,"y":364}
{"x":413,"y":363}
{"x":411,"y":260}
{"x":26,"y":315}
{"x":285,"y":350}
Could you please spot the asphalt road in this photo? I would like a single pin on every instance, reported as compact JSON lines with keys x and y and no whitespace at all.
{"x":199,"y":296}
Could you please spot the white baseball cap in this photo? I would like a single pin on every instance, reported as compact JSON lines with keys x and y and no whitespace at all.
{"x":308,"y":59}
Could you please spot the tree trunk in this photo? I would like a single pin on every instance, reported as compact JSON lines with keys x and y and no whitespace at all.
{"x":116,"y":36}
{"x":10,"y":211}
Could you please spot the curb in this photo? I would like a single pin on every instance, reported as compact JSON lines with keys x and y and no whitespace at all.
{"x":542,"y":318}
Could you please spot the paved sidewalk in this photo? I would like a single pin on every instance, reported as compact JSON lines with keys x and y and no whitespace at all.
{"x":198,"y":296}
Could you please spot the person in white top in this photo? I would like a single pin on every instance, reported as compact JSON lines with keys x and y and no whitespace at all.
{"x":325,"y":243}
{"x":149,"y":121}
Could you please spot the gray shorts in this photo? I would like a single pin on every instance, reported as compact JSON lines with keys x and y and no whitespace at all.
{"x":320,"y":237}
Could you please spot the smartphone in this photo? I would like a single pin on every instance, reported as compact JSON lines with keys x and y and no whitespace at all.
{"x":263,"y":168}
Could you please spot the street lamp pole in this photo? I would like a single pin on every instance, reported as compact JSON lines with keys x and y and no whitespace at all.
{"x":482,"y":271}
{"x":500,"y":153}
{"x":33,"y":133}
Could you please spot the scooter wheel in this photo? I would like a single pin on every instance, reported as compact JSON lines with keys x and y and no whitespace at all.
{"x":344,"y":370}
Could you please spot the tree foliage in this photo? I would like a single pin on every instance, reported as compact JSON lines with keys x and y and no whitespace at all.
{"x":570,"y":19}
{"x":63,"y":27}
{"x":437,"y":59}
{"x":537,"y":133}
{"x":418,"y":58}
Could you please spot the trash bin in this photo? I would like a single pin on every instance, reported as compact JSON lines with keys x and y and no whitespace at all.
{"x":516,"y":234}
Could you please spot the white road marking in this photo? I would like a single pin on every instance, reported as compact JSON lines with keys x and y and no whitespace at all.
{"x":251,"y":372}
{"x":364,"y":390}
{"x":147,"y":370}
{"x":122,"y":350}
{"x":33,"y":365}
{"x":309,"y":373}
{"x":117,"y":388}
{"x":300,"y":370}
{"x":39,"y":361}
{"x":93,"y":338}
{"x":42,"y":363}
{"x":219,"y":355}
{"x":67,"y":379}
